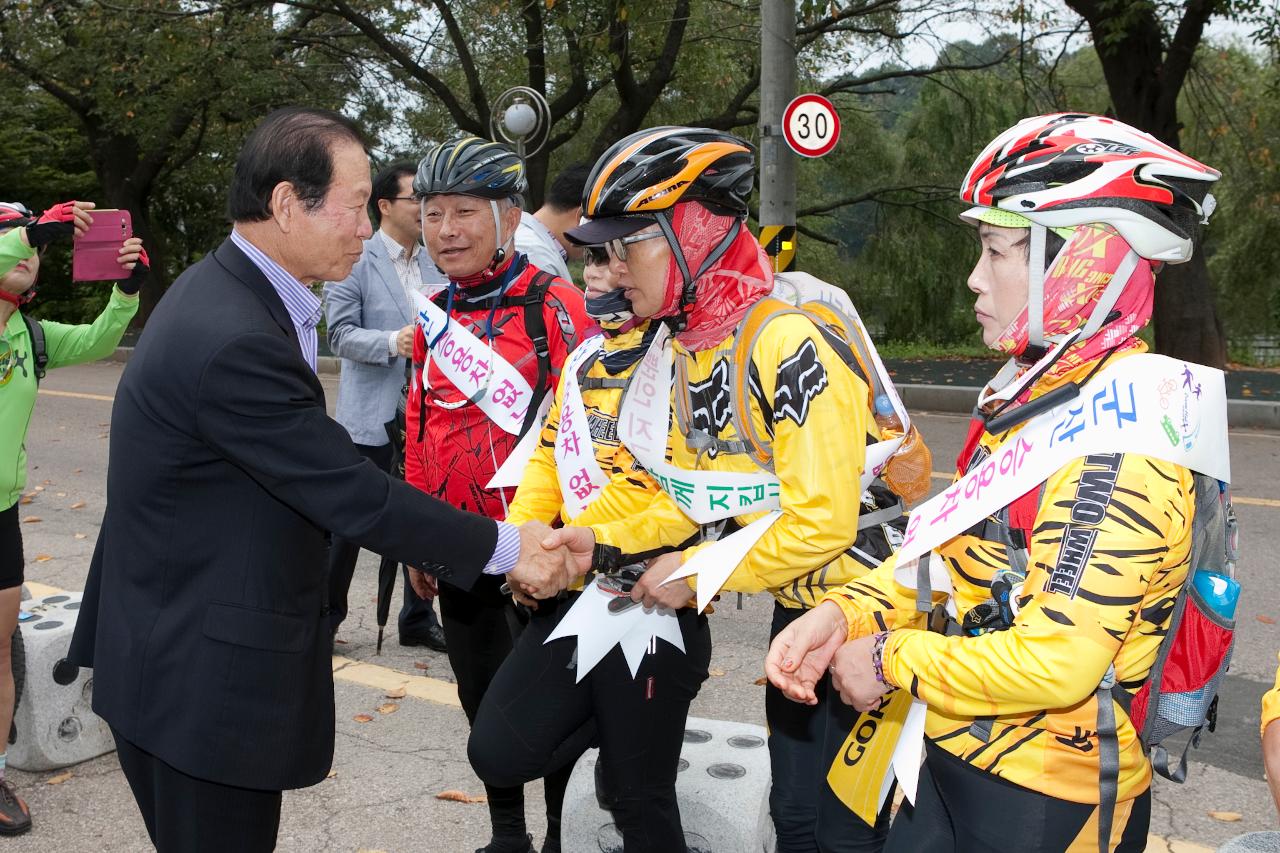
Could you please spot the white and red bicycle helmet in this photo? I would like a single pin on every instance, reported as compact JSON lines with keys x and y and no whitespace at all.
{"x":1067,"y":170}
{"x":1070,"y":169}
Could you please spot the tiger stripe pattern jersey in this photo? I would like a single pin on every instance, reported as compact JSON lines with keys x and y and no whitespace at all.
{"x":1108,"y":554}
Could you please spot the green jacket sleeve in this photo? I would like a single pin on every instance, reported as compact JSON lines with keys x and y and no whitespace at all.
{"x":67,"y":344}
{"x":13,"y":249}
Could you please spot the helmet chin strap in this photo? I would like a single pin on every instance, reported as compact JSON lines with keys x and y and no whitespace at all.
{"x":500,"y":253}
{"x":1038,"y":266}
{"x":689,"y":290}
{"x":1035,"y":294}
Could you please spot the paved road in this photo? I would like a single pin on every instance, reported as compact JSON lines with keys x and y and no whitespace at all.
{"x":388,"y":770}
{"x":1243,"y":383}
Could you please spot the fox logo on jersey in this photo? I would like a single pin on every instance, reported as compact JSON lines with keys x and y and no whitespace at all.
{"x":800,"y":378}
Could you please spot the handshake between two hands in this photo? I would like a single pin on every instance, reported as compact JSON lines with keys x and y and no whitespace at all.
{"x":549,"y":561}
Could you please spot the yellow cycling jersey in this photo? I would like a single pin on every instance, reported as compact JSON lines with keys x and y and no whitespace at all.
{"x":1109,"y":604}
{"x":1271,"y":704}
{"x":630,"y":489}
{"x":816,"y":411}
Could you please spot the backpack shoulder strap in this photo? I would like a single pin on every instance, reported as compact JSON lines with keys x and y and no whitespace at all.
{"x":744,"y":343}
{"x":535,"y":326}
{"x":39,"y":348}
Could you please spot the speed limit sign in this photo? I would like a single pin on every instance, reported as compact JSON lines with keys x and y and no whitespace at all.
{"x":811,"y":125}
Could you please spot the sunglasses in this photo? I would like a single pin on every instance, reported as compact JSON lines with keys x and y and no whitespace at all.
{"x":618,"y":246}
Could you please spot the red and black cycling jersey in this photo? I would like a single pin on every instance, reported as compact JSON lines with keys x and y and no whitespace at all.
{"x":452,"y":449}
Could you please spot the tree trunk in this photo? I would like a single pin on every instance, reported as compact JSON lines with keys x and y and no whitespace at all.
{"x":1144,"y":79}
{"x":537,"y":166}
{"x":1186,"y":321}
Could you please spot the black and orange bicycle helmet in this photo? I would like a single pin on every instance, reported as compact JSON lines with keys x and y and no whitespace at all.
{"x":643,"y":176}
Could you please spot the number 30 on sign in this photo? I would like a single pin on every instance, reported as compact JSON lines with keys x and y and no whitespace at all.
{"x":811,"y":125}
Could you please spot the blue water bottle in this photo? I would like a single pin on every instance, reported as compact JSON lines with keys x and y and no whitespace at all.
{"x":1219,"y":592}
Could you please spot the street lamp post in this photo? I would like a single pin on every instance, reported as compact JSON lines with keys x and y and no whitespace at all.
{"x":521,"y":117}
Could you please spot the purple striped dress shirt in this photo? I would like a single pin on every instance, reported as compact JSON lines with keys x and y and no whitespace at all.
{"x":303,"y":306}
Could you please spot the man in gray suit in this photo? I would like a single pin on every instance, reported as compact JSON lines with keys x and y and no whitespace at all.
{"x":370,"y":319}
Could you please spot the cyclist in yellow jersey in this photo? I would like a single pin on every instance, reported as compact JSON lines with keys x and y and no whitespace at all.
{"x":540,"y":713}
{"x":1012,"y":746}
{"x":670,"y":205}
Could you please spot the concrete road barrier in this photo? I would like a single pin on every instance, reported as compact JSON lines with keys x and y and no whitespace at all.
{"x":55,"y":721}
{"x":722,"y":787}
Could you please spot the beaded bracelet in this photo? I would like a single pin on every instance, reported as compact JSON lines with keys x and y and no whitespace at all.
{"x":877,"y":657}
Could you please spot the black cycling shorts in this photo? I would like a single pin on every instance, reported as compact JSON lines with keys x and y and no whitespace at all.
{"x":10,"y":549}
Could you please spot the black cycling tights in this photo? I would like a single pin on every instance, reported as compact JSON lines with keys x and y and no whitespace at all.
{"x":960,"y":808}
{"x":537,"y":719}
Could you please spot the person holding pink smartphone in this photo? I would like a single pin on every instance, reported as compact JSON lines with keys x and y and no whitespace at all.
{"x":27,"y":348}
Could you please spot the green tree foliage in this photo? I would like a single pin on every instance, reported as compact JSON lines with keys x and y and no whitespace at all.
{"x":159,"y":91}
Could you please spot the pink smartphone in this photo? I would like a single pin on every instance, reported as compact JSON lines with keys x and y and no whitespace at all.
{"x":96,"y":253}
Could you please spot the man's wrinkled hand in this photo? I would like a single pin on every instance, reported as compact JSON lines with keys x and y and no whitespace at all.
{"x":519,"y":596}
{"x":423,"y":584}
{"x":404,"y":341}
{"x":540,"y":572}
{"x":799,"y":656}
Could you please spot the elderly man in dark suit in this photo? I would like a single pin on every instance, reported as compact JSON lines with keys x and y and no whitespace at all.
{"x":204,"y":614}
{"x":370,"y":316}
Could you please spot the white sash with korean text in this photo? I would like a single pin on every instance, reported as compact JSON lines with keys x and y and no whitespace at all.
{"x":597,"y":628}
{"x":475,"y":369}
{"x":1143,"y":404}
{"x":580,"y":475}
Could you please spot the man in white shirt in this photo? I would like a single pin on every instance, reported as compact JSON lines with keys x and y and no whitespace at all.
{"x":370,"y":322}
{"x":541,"y":234}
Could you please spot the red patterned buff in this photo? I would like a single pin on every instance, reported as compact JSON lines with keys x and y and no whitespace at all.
{"x":740,"y":278}
{"x":1071,"y":289}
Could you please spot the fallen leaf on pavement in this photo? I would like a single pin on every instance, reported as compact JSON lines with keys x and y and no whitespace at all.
{"x":62,"y":494}
{"x":362,"y":718}
{"x":59,"y":779}
{"x":78,"y":471}
{"x":715,"y":672}
{"x":78,"y":505}
{"x":82,"y":536}
{"x":25,"y":501}
{"x":43,"y":558}
{"x":1266,"y":620}
{"x":333,"y":774}
{"x":421,"y":665}
{"x":340,"y":642}
{"x":1226,"y":817}
{"x":761,"y":681}
{"x":32,"y":519}
{"x":388,"y":708}
{"x":461,"y":797}
{"x":396,"y":693}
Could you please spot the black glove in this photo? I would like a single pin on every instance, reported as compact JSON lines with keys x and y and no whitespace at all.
{"x":54,"y":224}
{"x":133,"y":283}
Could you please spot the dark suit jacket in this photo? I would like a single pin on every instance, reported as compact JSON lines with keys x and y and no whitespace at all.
{"x":204,"y":614}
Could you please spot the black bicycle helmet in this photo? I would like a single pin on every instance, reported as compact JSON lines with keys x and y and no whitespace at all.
{"x":471,"y":166}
